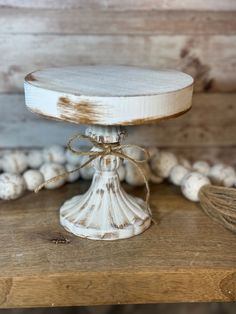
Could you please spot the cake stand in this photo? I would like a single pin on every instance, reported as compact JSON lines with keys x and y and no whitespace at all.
{"x":107,"y":98}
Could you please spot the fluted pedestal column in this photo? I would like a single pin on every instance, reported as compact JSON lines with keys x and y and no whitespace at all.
{"x":105,"y":211}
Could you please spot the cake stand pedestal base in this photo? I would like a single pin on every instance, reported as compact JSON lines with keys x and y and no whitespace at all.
{"x":105,"y":211}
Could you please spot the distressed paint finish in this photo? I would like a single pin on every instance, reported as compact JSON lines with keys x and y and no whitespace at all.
{"x":105,"y":211}
{"x":108,"y":95}
{"x":82,"y":111}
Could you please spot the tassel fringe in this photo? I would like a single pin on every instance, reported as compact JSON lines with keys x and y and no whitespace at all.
{"x":220,"y":204}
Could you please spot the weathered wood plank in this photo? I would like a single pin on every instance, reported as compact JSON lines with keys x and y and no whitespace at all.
{"x":210,"y":59}
{"x":72,"y":21}
{"x":226,"y":5}
{"x":157,"y":266}
{"x":211,"y":122}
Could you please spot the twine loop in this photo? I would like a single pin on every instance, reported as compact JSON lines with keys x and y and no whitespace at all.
{"x":103,"y":149}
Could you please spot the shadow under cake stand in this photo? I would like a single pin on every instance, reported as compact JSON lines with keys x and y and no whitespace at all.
{"x":107,"y":98}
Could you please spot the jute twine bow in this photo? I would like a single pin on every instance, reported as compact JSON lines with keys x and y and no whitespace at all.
{"x":219,"y":203}
{"x":104,"y":149}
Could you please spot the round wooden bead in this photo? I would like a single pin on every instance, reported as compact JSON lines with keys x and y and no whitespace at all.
{"x":185,"y":163}
{"x":35,"y":158}
{"x":220,"y":174}
{"x":202,"y":167}
{"x":73,"y":158}
{"x":87,"y":172}
{"x":177,"y":173}
{"x":15,"y":162}
{"x":153,"y":151}
{"x":73,"y":176}
{"x":155,"y":179}
{"x":33,"y":178}
{"x":163,"y":162}
{"x":191,"y":185}
{"x":133,"y":176}
{"x":12,"y":186}
{"x":54,"y":153}
{"x":50,"y":170}
{"x":134,"y":153}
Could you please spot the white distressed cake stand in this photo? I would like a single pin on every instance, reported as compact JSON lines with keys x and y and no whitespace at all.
{"x":107,"y":98}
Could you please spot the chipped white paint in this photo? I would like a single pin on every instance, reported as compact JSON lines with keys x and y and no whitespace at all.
{"x":162,"y":163}
{"x":177,"y":174}
{"x":191,"y":185}
{"x":33,"y":178}
{"x":105,"y":211}
{"x":50,"y":170}
{"x":12,"y":186}
{"x":14,"y":162}
{"x":108,"y":95}
{"x":105,"y":96}
{"x":221,"y":174}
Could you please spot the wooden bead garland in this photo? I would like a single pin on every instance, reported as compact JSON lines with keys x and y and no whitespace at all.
{"x":198,"y":182}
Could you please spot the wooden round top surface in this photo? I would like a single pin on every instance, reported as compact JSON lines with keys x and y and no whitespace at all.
{"x":108,"y":95}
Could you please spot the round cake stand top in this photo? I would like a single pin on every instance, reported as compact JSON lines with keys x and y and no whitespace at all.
{"x":108,"y":95}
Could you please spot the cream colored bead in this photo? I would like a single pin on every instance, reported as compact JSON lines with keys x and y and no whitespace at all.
{"x":54,"y":153}
{"x":15,"y":162}
{"x":134,"y":153}
{"x":185,"y":163}
{"x":121,"y":172}
{"x":35,"y":158}
{"x":73,"y":176}
{"x":153,"y":151}
{"x":191,"y":185}
{"x":229,"y":176}
{"x":133,"y":176}
{"x":163,"y":163}
{"x":12,"y":186}
{"x":33,"y":178}
{"x":220,"y":174}
{"x":202,"y":167}
{"x":87,"y":172}
{"x":73,"y":158}
{"x":155,"y":179}
{"x":177,"y":173}
{"x":50,"y":170}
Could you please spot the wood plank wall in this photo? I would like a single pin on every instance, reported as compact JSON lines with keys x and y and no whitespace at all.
{"x":197,"y":37}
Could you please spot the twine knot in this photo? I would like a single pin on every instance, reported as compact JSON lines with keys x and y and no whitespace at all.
{"x":104,"y":149}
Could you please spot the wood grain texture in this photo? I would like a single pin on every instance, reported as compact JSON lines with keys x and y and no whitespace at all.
{"x":210,"y":123}
{"x":157,"y":266}
{"x":92,"y":21}
{"x":209,"y":59}
{"x":108,"y":94}
{"x":227,"y":5}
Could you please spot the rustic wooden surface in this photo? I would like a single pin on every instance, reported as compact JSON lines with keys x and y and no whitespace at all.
{"x":196,"y":37}
{"x":117,"y":5}
{"x":184,"y":258}
{"x":210,"y":59}
{"x":147,"y":21}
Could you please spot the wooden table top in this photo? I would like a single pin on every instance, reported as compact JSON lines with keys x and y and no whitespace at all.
{"x":108,"y":95}
{"x":184,"y":258}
